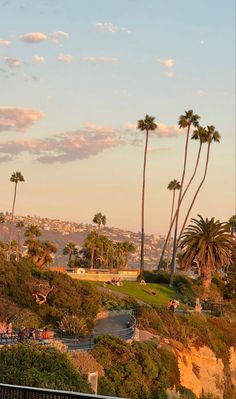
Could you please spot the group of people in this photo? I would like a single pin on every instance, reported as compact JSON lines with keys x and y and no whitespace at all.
{"x":173,"y":304}
{"x":6,"y":328}
{"x":24,"y":334}
{"x":118,"y":282}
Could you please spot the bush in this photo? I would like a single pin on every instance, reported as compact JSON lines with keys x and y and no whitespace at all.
{"x":39,"y":366}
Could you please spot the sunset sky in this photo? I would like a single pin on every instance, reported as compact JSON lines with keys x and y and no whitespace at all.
{"x":76,"y":75}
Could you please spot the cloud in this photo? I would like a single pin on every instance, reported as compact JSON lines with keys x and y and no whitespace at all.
{"x":109,"y":27}
{"x":37,"y":37}
{"x":67,"y":58}
{"x":5,"y":43}
{"x":162,"y":131}
{"x":200,"y":93}
{"x":56,"y":36}
{"x":170,"y":74}
{"x":18,"y":119}
{"x":33,"y":37}
{"x":12,"y":62}
{"x":64,"y":147}
{"x":169,"y":63}
{"x":202,"y":42}
{"x":39,"y":59}
{"x":100,"y":59}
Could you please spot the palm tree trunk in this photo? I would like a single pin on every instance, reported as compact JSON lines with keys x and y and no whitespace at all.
{"x":12,"y":220}
{"x":13,"y":205}
{"x":92,"y":257}
{"x":206,"y":275}
{"x":171,"y":217}
{"x":198,"y":189}
{"x":143,"y":200}
{"x":173,"y":220}
{"x":173,"y":261}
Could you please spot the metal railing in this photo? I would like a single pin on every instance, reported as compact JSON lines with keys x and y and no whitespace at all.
{"x":73,"y":342}
{"x":19,"y":392}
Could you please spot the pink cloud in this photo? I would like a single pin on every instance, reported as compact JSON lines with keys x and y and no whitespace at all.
{"x":162,"y":131}
{"x":64,"y":147}
{"x":66,"y":58}
{"x":18,"y":119}
{"x":33,"y":37}
{"x":5,"y":43}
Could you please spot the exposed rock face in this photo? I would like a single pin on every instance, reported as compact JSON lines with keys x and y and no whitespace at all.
{"x":232,"y":364}
{"x":201,"y":370}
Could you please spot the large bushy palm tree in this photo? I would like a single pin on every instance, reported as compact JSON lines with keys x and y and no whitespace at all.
{"x":147,"y":124}
{"x":91,"y":243}
{"x":209,"y":242}
{"x":187,"y":120}
{"x":211,"y":135}
{"x":16,"y":177}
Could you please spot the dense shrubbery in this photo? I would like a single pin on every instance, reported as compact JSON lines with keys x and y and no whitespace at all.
{"x":112,"y":302}
{"x":39,"y":366}
{"x":139,"y":370}
{"x":68,"y":297}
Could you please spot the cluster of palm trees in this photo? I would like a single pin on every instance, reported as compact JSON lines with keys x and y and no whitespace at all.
{"x":204,"y":135}
{"x":99,"y":251}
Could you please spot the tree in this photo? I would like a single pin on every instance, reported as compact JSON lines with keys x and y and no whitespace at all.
{"x":172,"y":186}
{"x":185,"y":121}
{"x":70,"y":250}
{"x":41,"y":252}
{"x":32,"y":231}
{"x":16,"y":177}
{"x":128,"y":248}
{"x":147,"y":124}
{"x":99,"y":219}
{"x":212,"y":135}
{"x":209,"y":242}
{"x":37,"y":366}
{"x":2,"y":218}
{"x":91,"y":243}
{"x":232,"y":224}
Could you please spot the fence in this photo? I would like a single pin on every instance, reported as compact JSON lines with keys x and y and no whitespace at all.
{"x":74,"y":342}
{"x":18,"y":392}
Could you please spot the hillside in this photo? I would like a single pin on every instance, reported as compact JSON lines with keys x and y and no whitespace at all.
{"x":176,"y":354}
{"x":61,"y":232}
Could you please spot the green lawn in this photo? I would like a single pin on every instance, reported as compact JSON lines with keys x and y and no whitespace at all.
{"x":134,"y":289}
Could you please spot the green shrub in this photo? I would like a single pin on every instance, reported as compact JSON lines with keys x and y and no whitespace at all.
{"x":39,"y":366}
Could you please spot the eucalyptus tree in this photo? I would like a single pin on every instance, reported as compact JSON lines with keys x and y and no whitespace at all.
{"x":187,"y":120}
{"x":16,"y":177}
{"x":210,"y":243}
{"x":100,"y":219}
{"x":212,"y":136}
{"x":147,"y":124}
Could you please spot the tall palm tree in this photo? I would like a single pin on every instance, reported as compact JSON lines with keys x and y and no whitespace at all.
{"x":128,"y":248}
{"x":209,"y":242}
{"x":70,"y":250}
{"x":91,"y":243}
{"x":172,"y":186}
{"x":199,"y":134}
{"x":212,"y":135}
{"x":147,"y":124}
{"x":16,"y":177}
{"x":100,"y":219}
{"x":186,"y":120}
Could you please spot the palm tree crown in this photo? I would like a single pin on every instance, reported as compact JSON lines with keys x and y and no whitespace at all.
{"x":16,"y":177}
{"x":188,"y":119}
{"x":147,"y":123}
{"x":173,"y":185}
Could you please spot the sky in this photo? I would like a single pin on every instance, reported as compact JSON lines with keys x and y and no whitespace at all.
{"x":77,"y":75}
